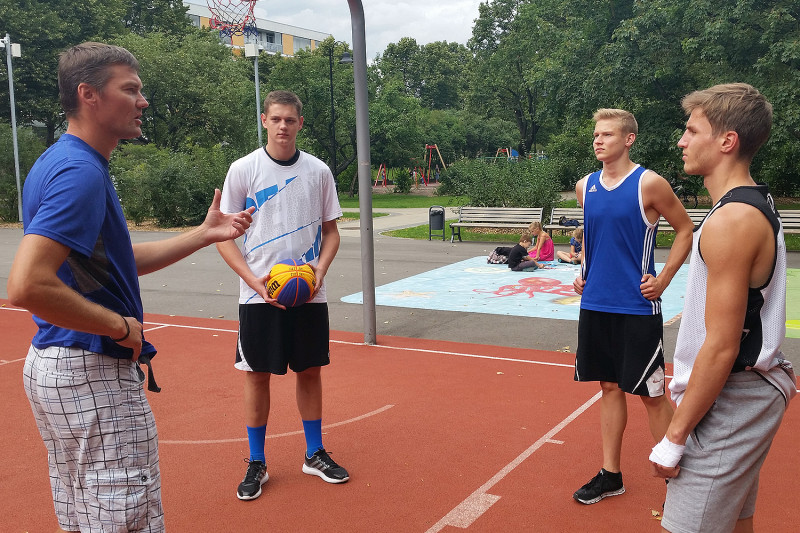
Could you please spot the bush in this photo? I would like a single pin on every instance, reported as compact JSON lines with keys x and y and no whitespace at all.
{"x":527,"y":183}
{"x":174,"y":188}
{"x":402,"y":181}
{"x":29,"y":149}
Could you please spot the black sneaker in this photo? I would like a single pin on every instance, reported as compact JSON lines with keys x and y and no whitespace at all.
{"x":601,"y":486}
{"x":250,"y":487}
{"x":320,"y":464}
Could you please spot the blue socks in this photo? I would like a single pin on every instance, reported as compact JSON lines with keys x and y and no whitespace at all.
{"x":313,"y":432}
{"x":256,"y":437}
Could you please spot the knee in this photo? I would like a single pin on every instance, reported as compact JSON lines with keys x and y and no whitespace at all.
{"x":310,"y":375}
{"x":610,"y":388}
{"x":656,"y":402}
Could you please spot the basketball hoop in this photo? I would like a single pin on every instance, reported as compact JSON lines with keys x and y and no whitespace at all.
{"x":232,"y":17}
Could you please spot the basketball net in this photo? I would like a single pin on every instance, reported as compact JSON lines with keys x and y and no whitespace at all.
{"x":232,"y":17}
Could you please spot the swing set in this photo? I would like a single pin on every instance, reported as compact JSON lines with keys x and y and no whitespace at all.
{"x":417,"y":172}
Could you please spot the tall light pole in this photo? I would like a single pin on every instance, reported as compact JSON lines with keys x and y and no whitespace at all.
{"x":346,"y":59}
{"x":251,"y":50}
{"x":13,"y":49}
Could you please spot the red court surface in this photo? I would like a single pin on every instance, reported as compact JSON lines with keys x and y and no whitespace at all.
{"x":437,"y":436}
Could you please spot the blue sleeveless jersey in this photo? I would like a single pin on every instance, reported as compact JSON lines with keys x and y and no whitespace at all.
{"x":618,"y":244}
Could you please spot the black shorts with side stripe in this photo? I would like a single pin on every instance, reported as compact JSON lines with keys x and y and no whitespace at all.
{"x":272,"y":339}
{"x":624,"y":349}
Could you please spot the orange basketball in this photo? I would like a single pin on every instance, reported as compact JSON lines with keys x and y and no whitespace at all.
{"x":291,"y":283}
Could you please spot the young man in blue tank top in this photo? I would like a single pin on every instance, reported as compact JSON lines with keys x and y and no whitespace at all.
{"x":620,"y":329}
{"x":732,"y":383}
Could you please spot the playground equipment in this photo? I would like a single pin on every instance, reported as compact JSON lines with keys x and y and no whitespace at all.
{"x":509,"y":153}
{"x":428,"y":158}
{"x":381,"y":175}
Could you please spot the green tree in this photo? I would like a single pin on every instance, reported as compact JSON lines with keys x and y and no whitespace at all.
{"x":30,"y":147}
{"x":434,"y":72}
{"x":44,"y":29}
{"x":165,"y":16}
{"x":396,"y":138}
{"x":199,"y":93}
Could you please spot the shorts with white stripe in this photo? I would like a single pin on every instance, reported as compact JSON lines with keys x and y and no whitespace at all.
{"x":624,"y":349}
{"x":101,"y":440}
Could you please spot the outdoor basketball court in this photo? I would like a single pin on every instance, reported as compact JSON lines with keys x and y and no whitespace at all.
{"x":477,"y":287}
{"x":438,"y":436}
{"x":474,"y":286}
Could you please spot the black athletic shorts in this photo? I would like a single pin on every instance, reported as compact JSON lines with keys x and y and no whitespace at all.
{"x":624,"y":349}
{"x":272,"y":339}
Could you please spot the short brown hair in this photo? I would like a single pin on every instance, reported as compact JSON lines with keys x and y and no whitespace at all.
{"x":735,"y":107}
{"x":625,"y":118}
{"x":525,"y":237}
{"x":283,"y":98}
{"x":88,"y":63}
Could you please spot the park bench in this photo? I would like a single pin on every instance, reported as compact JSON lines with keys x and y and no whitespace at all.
{"x":575,"y":213}
{"x":697,"y":215}
{"x":494,"y":217}
{"x":791,"y":220}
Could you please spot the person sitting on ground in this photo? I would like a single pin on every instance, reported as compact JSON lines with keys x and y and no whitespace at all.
{"x":545,"y":251}
{"x":575,"y":254}
{"x":518,"y":258}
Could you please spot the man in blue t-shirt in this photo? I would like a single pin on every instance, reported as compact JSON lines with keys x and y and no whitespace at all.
{"x":77,"y":272}
{"x":620,"y":328}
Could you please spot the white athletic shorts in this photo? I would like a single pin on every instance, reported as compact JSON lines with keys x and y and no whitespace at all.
{"x":100,"y":435}
{"x":718,"y":481}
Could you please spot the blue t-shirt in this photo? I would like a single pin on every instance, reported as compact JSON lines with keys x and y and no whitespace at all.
{"x":618,"y":246}
{"x":575,"y":243}
{"x":69,"y":197}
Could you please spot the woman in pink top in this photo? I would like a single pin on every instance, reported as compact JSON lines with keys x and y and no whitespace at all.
{"x":544,"y":249}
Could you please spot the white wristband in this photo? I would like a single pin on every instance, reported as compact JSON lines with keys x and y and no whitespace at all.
{"x":667,"y":453}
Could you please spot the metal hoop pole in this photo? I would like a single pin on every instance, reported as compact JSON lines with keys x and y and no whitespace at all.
{"x":364,"y":170}
{"x":7,"y":41}
{"x":258,"y":102}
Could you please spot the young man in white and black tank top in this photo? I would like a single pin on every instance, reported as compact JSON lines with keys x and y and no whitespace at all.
{"x":732,"y":383}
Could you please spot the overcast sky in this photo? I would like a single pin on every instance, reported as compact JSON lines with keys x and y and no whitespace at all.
{"x":387,"y":21}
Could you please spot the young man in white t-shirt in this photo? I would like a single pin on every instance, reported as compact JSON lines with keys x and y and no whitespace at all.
{"x":296,"y":210}
{"x":731,"y":381}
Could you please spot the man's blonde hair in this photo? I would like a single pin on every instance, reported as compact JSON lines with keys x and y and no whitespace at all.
{"x":625,"y":118}
{"x":735,"y":107}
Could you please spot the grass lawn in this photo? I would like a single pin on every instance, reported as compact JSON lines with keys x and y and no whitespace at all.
{"x":404,"y":200}
{"x":355,"y":215}
{"x":663,"y":240}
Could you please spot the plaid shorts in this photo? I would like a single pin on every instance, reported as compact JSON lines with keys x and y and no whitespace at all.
{"x":101,"y":440}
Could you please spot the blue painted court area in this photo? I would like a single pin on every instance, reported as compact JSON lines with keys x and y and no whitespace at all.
{"x":474,"y":286}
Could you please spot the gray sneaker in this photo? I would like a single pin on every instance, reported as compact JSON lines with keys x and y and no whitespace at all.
{"x":320,"y":464}
{"x":250,"y":487}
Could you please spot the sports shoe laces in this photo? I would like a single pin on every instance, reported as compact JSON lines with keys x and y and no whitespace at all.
{"x":324,"y":458}
{"x":253,"y":470}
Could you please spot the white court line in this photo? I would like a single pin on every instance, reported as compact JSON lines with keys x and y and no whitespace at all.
{"x":162,"y":326}
{"x":439,"y":352}
{"x":275,"y":436}
{"x":477,"y":503}
{"x":5,"y":362}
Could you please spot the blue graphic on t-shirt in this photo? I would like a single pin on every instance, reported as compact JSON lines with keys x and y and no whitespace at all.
{"x":265,"y":195}
{"x":313,"y":252}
